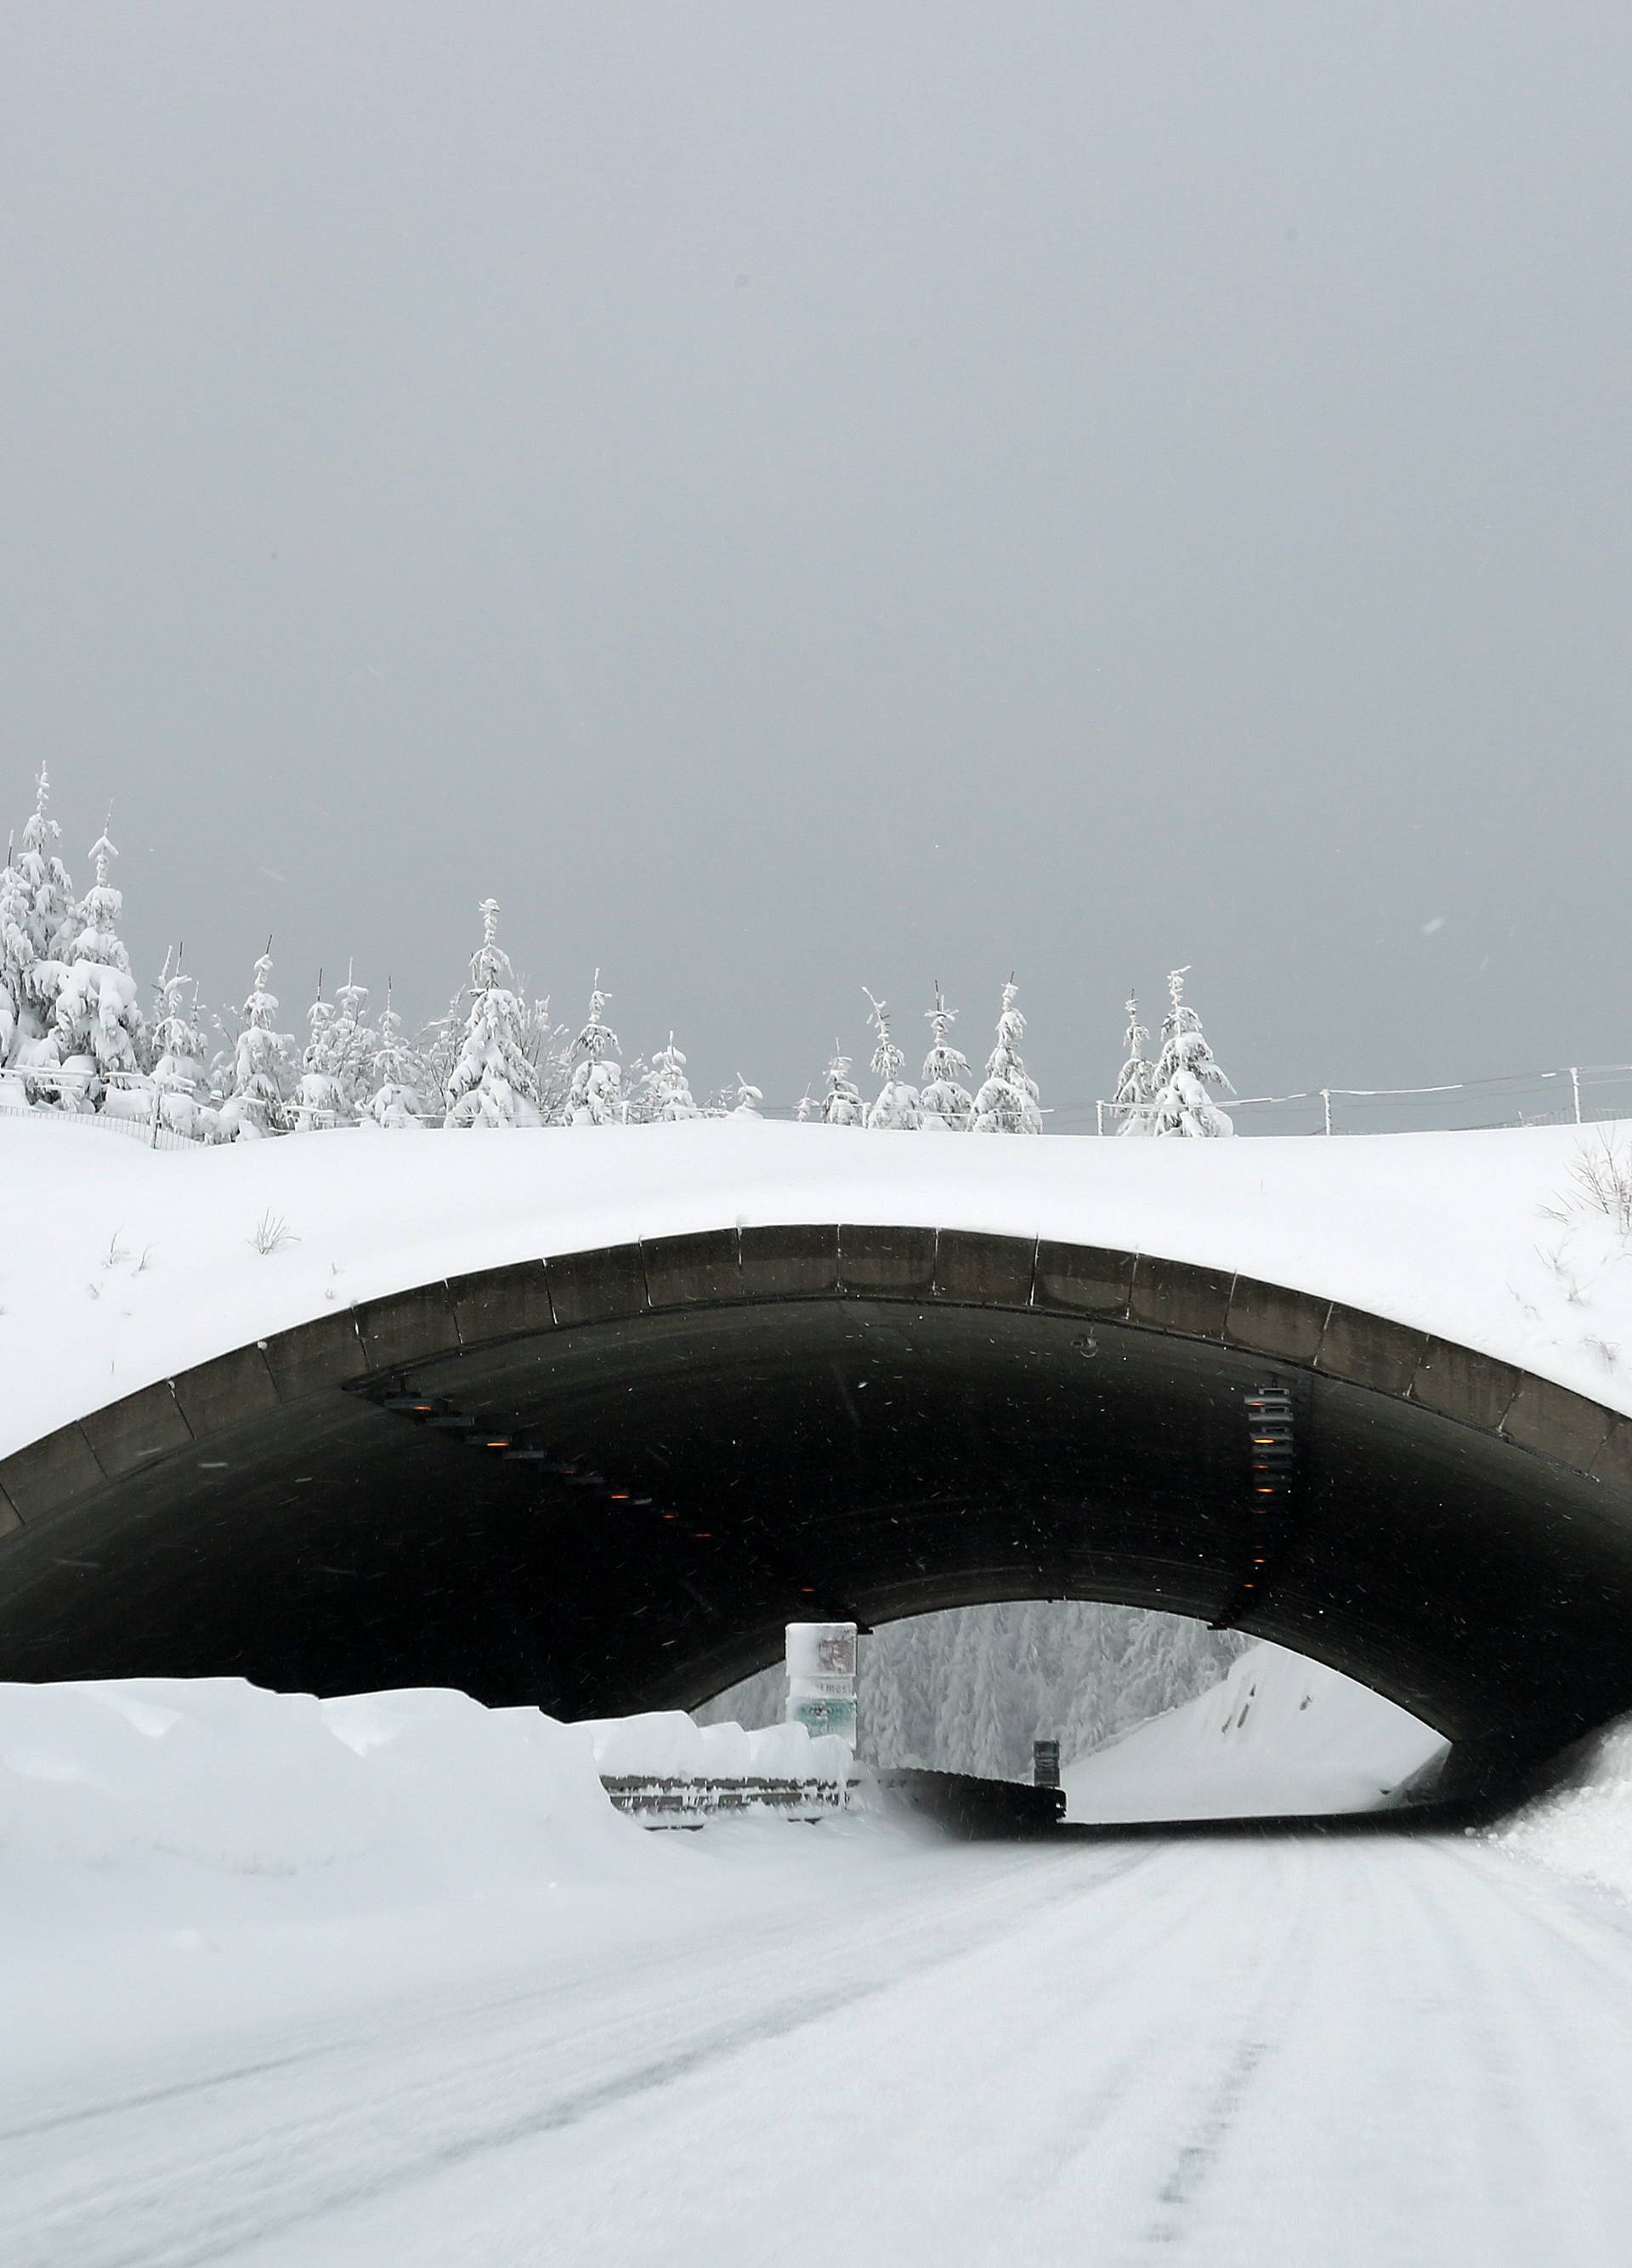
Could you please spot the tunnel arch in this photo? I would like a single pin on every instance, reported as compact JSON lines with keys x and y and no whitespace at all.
{"x":817,"y":1419}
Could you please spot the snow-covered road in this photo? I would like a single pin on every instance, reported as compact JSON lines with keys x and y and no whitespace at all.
{"x":1267,"y":2049}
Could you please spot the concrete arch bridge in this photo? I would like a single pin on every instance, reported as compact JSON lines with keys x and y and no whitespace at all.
{"x":582,"y":1419}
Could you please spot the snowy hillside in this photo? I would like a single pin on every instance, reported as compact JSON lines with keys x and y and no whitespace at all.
{"x":118,"y":1266}
{"x":1279,"y":1734}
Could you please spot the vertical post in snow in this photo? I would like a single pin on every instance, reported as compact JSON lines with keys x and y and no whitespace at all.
{"x":1326,"y":1104}
{"x":158,"y":1096}
{"x":1099,"y":1118}
{"x":1574,"y":1088}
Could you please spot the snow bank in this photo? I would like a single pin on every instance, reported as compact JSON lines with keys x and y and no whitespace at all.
{"x":120,"y":1265}
{"x":1278,"y":1734}
{"x":668,"y":1745}
{"x":178,"y":1802}
{"x":1585,"y":1828}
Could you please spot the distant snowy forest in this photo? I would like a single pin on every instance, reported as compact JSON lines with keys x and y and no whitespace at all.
{"x":970,"y":1689}
{"x":75,"y":1036}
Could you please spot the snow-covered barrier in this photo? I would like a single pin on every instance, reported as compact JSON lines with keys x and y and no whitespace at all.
{"x":664,"y":1769}
{"x":165,"y":1798}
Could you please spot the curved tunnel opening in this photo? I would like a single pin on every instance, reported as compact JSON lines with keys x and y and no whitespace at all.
{"x":622,"y":1511}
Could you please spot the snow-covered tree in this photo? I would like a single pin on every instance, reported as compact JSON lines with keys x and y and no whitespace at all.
{"x":258,"y":1104}
{"x":40,"y":930}
{"x":1135,"y":1082}
{"x":179,"y":1050}
{"x":97,"y":1018}
{"x":397,"y":1075}
{"x":842,"y":1103}
{"x":896,"y":1105}
{"x":547,"y":1050}
{"x":748,"y":1100}
{"x":946,"y":1103}
{"x":351,"y":1045}
{"x":666,"y":1091}
{"x":1007,"y":1101}
{"x":491,"y":1084}
{"x":17,"y":953}
{"x":1184,"y":1071}
{"x":596,"y":1097}
{"x":318,"y":1101}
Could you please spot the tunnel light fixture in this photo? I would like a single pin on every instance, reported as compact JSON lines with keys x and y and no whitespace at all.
{"x":414,"y":1403}
{"x":448,"y":1423}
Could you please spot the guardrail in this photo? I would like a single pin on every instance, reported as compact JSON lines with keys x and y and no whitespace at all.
{"x":684,"y":1801}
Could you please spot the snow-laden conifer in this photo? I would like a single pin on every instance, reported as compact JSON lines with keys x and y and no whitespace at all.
{"x":947,"y":1104}
{"x":319,"y":1102}
{"x":258,"y":1104}
{"x":1135,"y":1082}
{"x":896,"y":1104}
{"x":42,"y":901}
{"x":97,"y":1018}
{"x":17,"y":953}
{"x":841,"y":1102}
{"x":596,"y":1097}
{"x":1008,"y":1100}
{"x":666,"y":1090}
{"x":397,"y":1075}
{"x":748,"y":1100}
{"x":491,"y":1083}
{"x":351,"y":1045}
{"x":1184,"y":1071}
{"x":179,"y":1050}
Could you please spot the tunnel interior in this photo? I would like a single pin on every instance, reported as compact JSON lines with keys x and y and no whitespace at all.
{"x":623,"y":1514}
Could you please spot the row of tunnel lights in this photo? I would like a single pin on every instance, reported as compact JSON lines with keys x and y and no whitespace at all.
{"x":1269,"y":1439}
{"x":509,"y":1446}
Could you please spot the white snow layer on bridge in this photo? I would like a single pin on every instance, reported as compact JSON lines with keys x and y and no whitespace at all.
{"x":121,"y":1265}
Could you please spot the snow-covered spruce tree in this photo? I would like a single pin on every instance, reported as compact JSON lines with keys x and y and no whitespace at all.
{"x":1184,"y":1071}
{"x":947,"y":1104}
{"x":319,"y":1102}
{"x":179,"y":1050}
{"x":596,"y":1097}
{"x":258,"y":1104}
{"x":396,"y":1074}
{"x":668,"y":1091}
{"x":550,"y":1054}
{"x":98,"y":1021}
{"x":1135,"y":1082}
{"x":842,"y":1103}
{"x":1007,"y":1101}
{"x":491,"y":1083}
{"x":41,"y":902}
{"x":896,"y":1106}
{"x":748,"y":1100}
{"x":17,"y":953}
{"x":351,"y":1045}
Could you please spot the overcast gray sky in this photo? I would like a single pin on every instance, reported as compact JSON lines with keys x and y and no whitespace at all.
{"x":789,"y":497}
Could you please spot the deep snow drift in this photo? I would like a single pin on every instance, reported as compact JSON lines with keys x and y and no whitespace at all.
{"x":121,"y":1265}
{"x":1278,"y":1734}
{"x":201,"y":1852}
